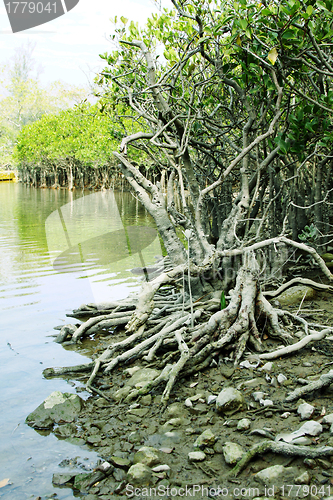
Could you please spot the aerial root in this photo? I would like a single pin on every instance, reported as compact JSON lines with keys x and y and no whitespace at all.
{"x":183,"y":338}
{"x":297,"y":346}
{"x":324,"y":381}
{"x":280,"y":448}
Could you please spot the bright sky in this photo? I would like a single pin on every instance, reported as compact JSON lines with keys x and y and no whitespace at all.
{"x":67,"y":48}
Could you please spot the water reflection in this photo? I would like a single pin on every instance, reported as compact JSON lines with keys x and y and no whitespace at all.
{"x":36,"y":293}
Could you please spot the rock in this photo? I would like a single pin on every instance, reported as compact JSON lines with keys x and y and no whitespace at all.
{"x":281,"y":378}
{"x":147,"y":455}
{"x":146,"y":400}
{"x":119,"y":475}
{"x":258,"y":395}
{"x":121,"y":393}
{"x":207,"y":438}
{"x":196,"y":456}
{"x":81,"y":481}
{"x":229,"y":399}
{"x":188,"y":403}
{"x":271,"y":475}
{"x":311,"y":428}
{"x":305,"y":411}
{"x":304,"y":478}
{"x":56,"y":408}
{"x":142,"y":376}
{"x":218,"y":448}
{"x":161,"y":468}
{"x":244,"y":424}
{"x":130,"y":371}
{"x":267,"y":367}
{"x":266,"y":402}
{"x":119,"y":462}
{"x":65,"y":430}
{"x":170,"y":424}
{"x":211,"y":399}
{"x":310,"y":462}
{"x":295,"y":294}
{"x":232,"y":452}
{"x":328,"y":419}
{"x":175,"y":410}
{"x":139,"y":474}
{"x":247,"y":364}
{"x":61,"y":479}
{"x":139,"y":412}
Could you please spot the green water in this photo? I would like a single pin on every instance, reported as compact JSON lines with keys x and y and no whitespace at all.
{"x":57,"y":250}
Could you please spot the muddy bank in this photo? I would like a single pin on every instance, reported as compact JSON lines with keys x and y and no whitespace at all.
{"x":195,"y":442}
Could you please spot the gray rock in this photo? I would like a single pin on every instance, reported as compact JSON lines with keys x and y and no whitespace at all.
{"x":311,"y":428}
{"x":275,"y":475}
{"x":141,"y":377}
{"x":58,"y":407}
{"x":281,"y":378}
{"x":232,"y":452}
{"x":60,"y":479}
{"x":305,"y":411}
{"x":258,"y":395}
{"x":267,"y":367}
{"x":121,"y":393}
{"x":171,"y":424}
{"x":304,"y":478}
{"x":328,"y":419}
{"x":244,"y":424}
{"x":229,"y":399}
{"x":139,"y":474}
{"x":207,"y":438}
{"x":175,"y":410}
{"x":295,"y":294}
{"x":147,"y":455}
{"x":266,"y":402}
{"x":196,"y":456}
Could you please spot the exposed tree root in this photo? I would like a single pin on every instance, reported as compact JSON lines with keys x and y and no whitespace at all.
{"x":324,"y":381}
{"x":290,"y":450}
{"x":192,"y":332}
{"x":297,"y":346}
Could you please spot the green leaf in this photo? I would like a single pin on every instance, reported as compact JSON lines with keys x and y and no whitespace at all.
{"x":223,"y":302}
{"x":272,"y":55}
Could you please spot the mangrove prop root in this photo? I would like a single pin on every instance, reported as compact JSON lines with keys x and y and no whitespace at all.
{"x":161,"y":322}
{"x":297,"y":346}
{"x":67,"y":370}
{"x":287,"y":449}
{"x":324,"y":381}
{"x":320,"y":287}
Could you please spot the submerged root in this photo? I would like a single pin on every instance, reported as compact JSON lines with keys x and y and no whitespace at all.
{"x":184,"y":338}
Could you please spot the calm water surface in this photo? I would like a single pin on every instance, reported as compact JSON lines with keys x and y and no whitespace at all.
{"x":57,"y":251}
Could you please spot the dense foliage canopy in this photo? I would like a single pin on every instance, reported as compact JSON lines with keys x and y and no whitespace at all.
{"x":233,"y":98}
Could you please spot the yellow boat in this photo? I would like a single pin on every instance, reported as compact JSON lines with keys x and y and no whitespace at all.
{"x":7,"y":176}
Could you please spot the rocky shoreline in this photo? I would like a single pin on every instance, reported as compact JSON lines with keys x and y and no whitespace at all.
{"x":212,"y":421}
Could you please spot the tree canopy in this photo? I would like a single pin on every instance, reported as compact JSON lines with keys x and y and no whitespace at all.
{"x":23,"y":99}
